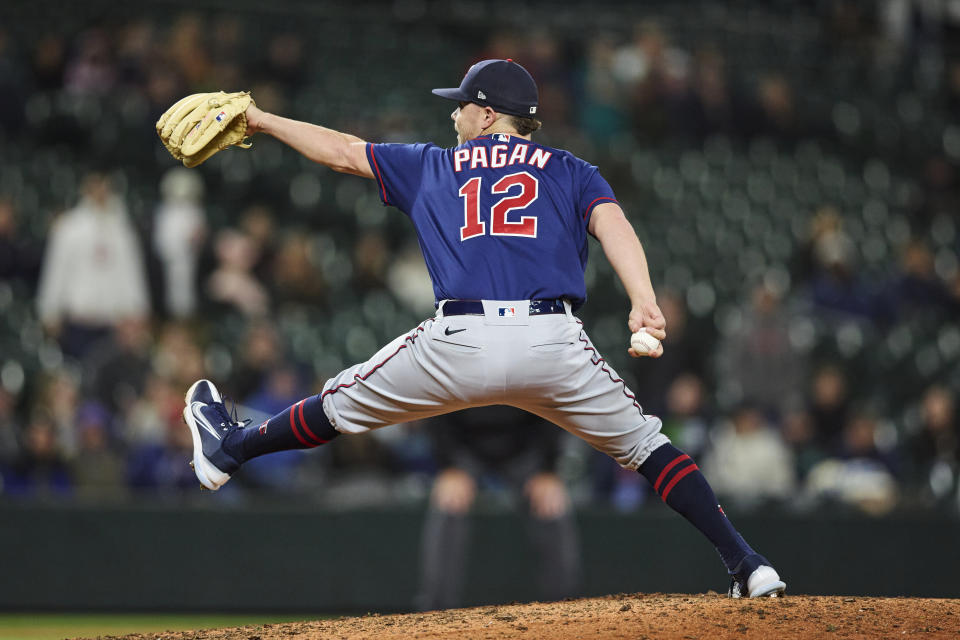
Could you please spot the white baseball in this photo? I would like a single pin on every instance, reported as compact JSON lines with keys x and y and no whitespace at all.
{"x":643,"y":343}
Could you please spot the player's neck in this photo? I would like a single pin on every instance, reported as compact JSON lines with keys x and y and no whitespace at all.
{"x":498,"y":127}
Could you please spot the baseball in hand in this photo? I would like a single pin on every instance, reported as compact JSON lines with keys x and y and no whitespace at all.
{"x":643,"y":343}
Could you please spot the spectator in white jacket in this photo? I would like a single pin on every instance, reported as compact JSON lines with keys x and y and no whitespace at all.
{"x":179,"y":230}
{"x":93,"y":271}
{"x":749,"y":462}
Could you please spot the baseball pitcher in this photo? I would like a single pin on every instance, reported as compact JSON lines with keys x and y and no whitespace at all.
{"x":502,"y":222}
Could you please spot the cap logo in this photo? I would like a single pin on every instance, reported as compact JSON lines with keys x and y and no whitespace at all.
{"x":481,"y":96}
{"x":533,"y":110}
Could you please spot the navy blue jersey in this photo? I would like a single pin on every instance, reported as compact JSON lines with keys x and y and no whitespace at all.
{"x":498,"y":217}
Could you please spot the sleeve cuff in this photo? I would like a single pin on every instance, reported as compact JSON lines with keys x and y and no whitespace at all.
{"x":372,"y":159}
{"x":592,"y":206}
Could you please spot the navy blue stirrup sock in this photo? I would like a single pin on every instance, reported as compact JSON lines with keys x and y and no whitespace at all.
{"x":678,"y":481}
{"x":301,"y":426}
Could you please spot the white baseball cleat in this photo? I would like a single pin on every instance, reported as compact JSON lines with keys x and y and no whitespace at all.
{"x":755,"y":578}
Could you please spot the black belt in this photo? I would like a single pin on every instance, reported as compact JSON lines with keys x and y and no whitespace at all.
{"x":475,"y":307}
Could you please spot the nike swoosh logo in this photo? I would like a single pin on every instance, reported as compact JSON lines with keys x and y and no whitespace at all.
{"x":449,"y":332}
{"x":201,"y":420}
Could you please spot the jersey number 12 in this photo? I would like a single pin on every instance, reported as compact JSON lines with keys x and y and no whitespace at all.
{"x":473,"y":226}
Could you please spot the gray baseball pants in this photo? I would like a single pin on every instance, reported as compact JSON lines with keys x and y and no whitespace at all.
{"x":544,"y":364}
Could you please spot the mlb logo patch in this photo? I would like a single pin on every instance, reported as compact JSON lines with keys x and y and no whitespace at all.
{"x":502,"y":137}
{"x":508,"y":312}
{"x":221,"y":116}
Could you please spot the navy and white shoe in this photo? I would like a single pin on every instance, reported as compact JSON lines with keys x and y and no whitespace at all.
{"x":755,"y":578}
{"x":209,"y":421}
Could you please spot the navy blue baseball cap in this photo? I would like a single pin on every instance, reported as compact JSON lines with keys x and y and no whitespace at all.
{"x":502,"y":85}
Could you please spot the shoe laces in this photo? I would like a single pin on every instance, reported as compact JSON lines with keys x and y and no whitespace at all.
{"x":229,"y":417}
{"x":737,"y":588}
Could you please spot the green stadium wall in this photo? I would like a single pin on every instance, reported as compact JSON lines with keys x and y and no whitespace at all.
{"x":273,"y":559}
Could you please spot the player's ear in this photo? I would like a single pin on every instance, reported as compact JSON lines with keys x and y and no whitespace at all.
{"x":489,"y":116}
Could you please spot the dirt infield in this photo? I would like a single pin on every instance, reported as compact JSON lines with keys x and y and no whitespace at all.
{"x":635,"y":616}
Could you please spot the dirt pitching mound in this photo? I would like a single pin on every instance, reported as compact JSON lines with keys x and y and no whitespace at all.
{"x":634,"y":616}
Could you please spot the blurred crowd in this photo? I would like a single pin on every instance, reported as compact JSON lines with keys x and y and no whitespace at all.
{"x":123,"y":280}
